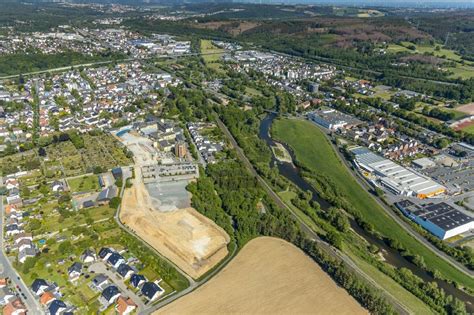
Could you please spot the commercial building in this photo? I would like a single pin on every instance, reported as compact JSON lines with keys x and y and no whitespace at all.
{"x":332,"y":119}
{"x":440,"y":219}
{"x":180,"y":149}
{"x":423,"y":163}
{"x":395,"y":178}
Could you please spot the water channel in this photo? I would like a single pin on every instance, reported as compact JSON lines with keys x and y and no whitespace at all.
{"x":393,"y":257}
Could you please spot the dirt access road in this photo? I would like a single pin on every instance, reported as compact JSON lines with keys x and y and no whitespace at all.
{"x":190,"y":240}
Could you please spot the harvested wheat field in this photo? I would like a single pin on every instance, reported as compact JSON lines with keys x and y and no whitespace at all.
{"x":187,"y":238}
{"x":268,"y":276}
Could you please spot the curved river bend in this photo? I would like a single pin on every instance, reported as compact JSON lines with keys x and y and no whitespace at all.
{"x":391,"y":256}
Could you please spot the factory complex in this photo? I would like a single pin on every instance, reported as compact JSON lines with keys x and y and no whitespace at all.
{"x":394,"y":177}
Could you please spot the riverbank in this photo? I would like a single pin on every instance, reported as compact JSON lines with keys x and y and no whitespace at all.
{"x":314,"y":152}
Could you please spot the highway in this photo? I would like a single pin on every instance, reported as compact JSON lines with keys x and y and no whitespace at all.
{"x":401,"y":309}
{"x":7,"y":271}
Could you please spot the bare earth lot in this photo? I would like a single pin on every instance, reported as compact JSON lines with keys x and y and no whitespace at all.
{"x":192,"y":241}
{"x":161,"y":216}
{"x":268,"y":276}
{"x":468,"y":108}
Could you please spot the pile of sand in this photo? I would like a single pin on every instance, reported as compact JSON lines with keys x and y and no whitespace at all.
{"x":269,"y":276}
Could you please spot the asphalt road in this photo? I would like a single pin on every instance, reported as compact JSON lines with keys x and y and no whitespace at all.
{"x":407,"y":227}
{"x":100,"y":267}
{"x":401,"y":309}
{"x":9,"y":272}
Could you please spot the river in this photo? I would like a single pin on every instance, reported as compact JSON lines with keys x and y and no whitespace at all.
{"x":393,"y":257}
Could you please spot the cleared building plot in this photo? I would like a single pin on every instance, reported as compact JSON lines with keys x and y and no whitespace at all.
{"x":159,"y":213}
{"x":268,"y":276}
{"x":468,"y":108}
{"x":441,"y":219}
{"x":186,"y":237}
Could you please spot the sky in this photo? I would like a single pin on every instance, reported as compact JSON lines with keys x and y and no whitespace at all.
{"x":390,"y":3}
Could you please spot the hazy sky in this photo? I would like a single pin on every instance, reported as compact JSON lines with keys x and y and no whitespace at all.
{"x":416,"y":3}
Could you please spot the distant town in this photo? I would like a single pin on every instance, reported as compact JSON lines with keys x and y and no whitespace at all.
{"x":133,"y":174}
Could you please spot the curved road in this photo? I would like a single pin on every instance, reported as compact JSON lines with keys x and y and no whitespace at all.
{"x":193,"y":284}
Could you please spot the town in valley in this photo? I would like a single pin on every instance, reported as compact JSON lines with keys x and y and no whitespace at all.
{"x":145,"y":149}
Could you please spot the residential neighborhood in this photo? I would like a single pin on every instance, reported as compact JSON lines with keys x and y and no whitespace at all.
{"x":236,"y":157}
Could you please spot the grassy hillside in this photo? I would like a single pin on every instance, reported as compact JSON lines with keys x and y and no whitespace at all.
{"x":314,"y":151}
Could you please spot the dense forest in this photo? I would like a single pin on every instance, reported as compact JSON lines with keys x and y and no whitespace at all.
{"x":23,"y":63}
{"x":455,"y":29}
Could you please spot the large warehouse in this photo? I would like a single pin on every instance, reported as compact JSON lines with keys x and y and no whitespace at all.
{"x":395,"y":178}
{"x":441,"y":219}
{"x":332,"y":119}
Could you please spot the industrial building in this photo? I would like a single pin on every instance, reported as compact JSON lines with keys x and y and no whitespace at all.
{"x":332,"y":119}
{"x":395,"y":178}
{"x":423,"y":163}
{"x":440,"y":219}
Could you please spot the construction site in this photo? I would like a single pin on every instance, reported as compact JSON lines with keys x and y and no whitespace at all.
{"x":161,"y":215}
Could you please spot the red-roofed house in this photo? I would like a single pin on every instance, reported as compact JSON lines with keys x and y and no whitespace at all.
{"x":125,"y":305}
{"x":15,"y":307}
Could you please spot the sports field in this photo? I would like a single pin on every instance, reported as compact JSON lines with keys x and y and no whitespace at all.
{"x":268,"y":276}
{"x":313,"y":150}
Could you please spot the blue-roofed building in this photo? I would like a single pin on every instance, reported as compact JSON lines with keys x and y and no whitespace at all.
{"x":39,"y":286}
{"x":88,"y":204}
{"x":109,"y":295}
{"x":74,"y":272}
{"x":57,"y":307}
{"x":116,"y":260}
{"x":137,"y":280}
{"x":105,"y":252}
{"x":125,"y":271}
{"x":117,"y":172}
{"x":100,"y":282}
{"x":107,"y":194}
{"x":101,"y":181}
{"x":152,"y":291}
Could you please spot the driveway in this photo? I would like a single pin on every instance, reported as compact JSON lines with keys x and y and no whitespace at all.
{"x":100,"y":267}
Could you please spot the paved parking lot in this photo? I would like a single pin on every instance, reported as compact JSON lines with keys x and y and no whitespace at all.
{"x":456,"y":177}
